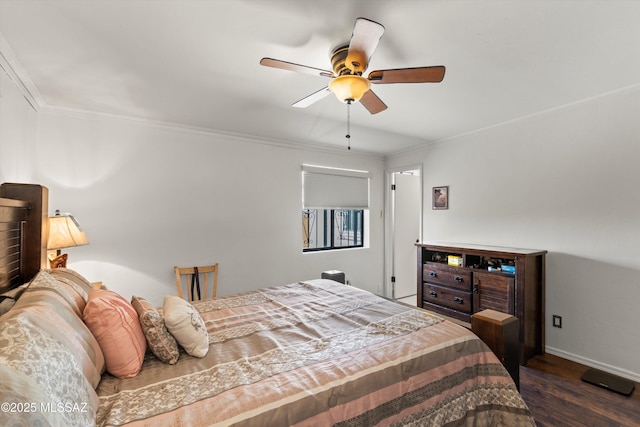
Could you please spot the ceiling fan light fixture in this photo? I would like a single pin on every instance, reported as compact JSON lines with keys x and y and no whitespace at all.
{"x":349,"y":87}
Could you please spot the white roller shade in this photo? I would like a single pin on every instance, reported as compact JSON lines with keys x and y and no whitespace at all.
{"x":330,"y":188}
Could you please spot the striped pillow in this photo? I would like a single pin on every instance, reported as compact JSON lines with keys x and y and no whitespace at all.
{"x":116,"y":326}
{"x":53,"y":307}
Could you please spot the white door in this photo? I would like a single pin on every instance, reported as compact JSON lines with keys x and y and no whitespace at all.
{"x":406,"y":212}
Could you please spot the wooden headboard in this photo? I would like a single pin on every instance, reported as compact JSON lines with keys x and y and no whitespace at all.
{"x":24,"y":227}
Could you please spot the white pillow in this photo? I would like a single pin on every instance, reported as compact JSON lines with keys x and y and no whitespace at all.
{"x":186,"y":325}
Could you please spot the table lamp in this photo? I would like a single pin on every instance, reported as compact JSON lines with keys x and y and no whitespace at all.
{"x":64,"y":232}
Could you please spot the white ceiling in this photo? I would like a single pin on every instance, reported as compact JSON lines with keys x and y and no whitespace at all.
{"x":195,"y":63}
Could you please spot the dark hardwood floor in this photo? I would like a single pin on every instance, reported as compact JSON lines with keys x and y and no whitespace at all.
{"x":556,"y":395}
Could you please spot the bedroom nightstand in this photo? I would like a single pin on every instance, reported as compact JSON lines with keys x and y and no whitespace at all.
{"x":500,"y":332}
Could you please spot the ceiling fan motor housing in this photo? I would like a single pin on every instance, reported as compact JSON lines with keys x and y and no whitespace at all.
{"x":344,"y":61}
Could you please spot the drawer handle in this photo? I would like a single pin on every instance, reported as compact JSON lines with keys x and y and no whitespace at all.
{"x":432,"y":274}
{"x":433,"y":294}
{"x":458,"y":279}
{"x":459,"y":300}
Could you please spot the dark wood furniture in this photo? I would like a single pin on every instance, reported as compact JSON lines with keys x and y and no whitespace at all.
{"x":475,"y":284}
{"x":24,"y":229}
{"x":500,"y":332}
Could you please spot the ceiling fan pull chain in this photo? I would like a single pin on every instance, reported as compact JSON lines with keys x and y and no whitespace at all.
{"x":348,"y":135}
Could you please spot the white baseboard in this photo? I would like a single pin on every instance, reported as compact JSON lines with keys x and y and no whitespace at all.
{"x":633,"y":376}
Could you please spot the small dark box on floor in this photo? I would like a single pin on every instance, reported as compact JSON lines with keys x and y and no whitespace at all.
{"x":608,"y":381}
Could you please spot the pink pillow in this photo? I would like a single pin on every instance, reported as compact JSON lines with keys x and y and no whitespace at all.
{"x":114,"y":323}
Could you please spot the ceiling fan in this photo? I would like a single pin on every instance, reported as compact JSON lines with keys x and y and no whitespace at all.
{"x":349,"y":61}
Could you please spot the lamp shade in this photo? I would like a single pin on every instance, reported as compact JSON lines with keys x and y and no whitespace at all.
{"x":349,"y":87}
{"x":64,"y":232}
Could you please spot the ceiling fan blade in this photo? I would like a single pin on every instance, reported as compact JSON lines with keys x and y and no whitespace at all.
{"x":409,"y":75}
{"x":364,"y":40}
{"x":290,"y":66}
{"x":314,"y":97}
{"x":372,"y":103}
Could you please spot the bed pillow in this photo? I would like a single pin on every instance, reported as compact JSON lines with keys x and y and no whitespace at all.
{"x":71,"y":293}
{"x":51,"y":306}
{"x":72,"y":276}
{"x":9,"y":298}
{"x":161,"y":343}
{"x":48,"y":356}
{"x":72,"y":279}
{"x":5,"y":304}
{"x":186,"y":325}
{"x":38,"y":370}
{"x":15,"y":292}
{"x":115,"y":325}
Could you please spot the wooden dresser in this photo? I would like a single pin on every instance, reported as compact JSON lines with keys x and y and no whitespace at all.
{"x":457,"y":280}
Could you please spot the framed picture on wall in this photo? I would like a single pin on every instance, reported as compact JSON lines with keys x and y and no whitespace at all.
{"x":440,"y":197}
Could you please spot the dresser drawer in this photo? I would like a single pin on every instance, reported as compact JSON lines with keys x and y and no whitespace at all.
{"x":448,"y":276}
{"x":465,"y":317}
{"x":448,"y":297}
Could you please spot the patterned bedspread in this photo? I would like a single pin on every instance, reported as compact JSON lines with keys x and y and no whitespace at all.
{"x":320,"y":353}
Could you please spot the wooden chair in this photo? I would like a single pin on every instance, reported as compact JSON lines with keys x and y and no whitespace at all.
{"x":198,"y":281}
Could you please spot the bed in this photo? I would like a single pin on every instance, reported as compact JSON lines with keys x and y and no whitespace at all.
{"x":310,"y":353}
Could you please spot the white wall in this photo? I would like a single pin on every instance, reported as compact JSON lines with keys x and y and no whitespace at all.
{"x":565,"y":181}
{"x":18,"y":124}
{"x":151,"y":196}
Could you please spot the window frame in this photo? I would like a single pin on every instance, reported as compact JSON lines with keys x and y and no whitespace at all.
{"x":330,"y":228}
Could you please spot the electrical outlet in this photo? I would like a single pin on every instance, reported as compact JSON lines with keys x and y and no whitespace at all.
{"x":557,"y":321}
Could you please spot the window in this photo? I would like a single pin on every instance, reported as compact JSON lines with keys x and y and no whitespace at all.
{"x":324,"y":229}
{"x":334,"y":206}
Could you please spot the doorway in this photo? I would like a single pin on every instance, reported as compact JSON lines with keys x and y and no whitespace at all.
{"x":405,"y":229}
